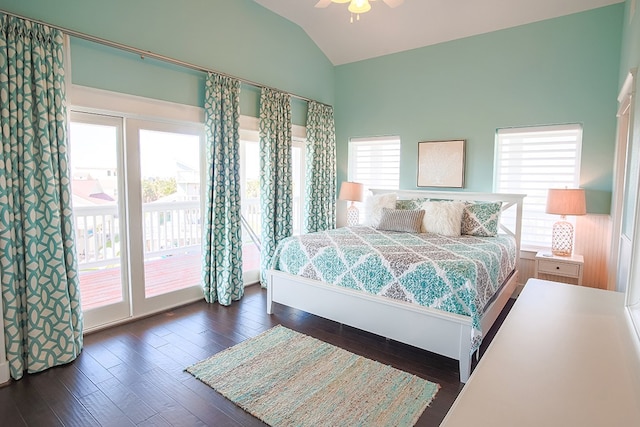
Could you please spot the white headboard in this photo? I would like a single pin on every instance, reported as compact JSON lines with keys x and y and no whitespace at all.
{"x":509,"y":202}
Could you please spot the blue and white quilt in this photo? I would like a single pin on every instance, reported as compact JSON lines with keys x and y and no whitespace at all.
{"x":454,"y":274}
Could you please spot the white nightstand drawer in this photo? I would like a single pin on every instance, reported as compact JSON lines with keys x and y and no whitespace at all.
{"x":560,"y":268}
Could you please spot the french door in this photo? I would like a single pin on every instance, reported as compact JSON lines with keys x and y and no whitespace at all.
{"x":250,"y":198}
{"x":136,"y":195}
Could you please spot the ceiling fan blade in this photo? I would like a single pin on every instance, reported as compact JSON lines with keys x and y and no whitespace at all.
{"x":323,"y":3}
{"x":393,"y":3}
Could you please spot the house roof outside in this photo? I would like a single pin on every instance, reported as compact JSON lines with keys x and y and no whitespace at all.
{"x":89,"y":192}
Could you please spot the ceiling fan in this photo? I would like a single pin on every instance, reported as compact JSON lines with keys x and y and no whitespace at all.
{"x":358,"y":6}
{"x":390,"y":3}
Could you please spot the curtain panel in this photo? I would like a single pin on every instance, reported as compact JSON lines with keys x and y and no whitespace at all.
{"x":320,"y":191}
{"x":38,"y":265}
{"x":222,"y":240}
{"x":276,"y":174}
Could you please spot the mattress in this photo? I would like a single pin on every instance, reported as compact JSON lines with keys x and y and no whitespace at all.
{"x":455,"y":274}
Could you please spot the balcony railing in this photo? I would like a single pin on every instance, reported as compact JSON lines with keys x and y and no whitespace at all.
{"x":172,"y":234}
{"x":168,"y":228}
{"x":97,"y":235}
{"x":172,"y":243}
{"x":251,"y":212}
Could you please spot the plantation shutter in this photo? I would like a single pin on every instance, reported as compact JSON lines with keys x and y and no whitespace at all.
{"x":530,"y":161}
{"x":375,"y":162}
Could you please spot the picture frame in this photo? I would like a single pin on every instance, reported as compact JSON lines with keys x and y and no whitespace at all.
{"x":441,"y":163}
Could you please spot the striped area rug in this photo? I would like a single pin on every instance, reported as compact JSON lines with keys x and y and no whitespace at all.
{"x":285,"y":378}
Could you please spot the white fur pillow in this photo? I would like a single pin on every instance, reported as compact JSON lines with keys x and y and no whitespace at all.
{"x":373,"y":207}
{"x":443,"y":217}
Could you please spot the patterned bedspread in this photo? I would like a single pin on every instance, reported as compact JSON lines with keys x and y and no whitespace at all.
{"x":455,"y":274}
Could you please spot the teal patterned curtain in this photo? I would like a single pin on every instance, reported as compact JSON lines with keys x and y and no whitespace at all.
{"x":38,"y":266}
{"x":320,"y":194}
{"x":222,"y":240}
{"x":275,"y":170}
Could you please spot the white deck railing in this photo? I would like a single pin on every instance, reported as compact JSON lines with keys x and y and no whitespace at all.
{"x":97,"y":235}
{"x":169,"y":228}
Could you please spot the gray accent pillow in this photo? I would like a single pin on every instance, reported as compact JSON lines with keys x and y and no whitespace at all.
{"x":401,"y":220}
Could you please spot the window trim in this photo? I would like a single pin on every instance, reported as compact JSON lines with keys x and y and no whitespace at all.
{"x":99,"y":101}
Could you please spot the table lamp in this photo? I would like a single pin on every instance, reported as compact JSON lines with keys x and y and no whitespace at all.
{"x":351,"y":191}
{"x":563,"y":202}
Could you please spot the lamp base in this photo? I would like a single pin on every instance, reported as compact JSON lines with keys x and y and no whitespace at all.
{"x":353,"y":215}
{"x":562,"y":239}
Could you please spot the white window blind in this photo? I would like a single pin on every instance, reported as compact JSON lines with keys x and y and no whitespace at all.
{"x":375,"y":162}
{"x":530,"y":161}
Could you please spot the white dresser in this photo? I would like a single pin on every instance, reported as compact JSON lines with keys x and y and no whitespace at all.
{"x":565,"y":356}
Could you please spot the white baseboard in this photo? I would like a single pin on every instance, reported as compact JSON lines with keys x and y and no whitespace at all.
{"x":4,"y":372}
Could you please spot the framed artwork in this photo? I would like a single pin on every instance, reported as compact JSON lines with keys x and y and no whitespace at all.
{"x":441,"y":163}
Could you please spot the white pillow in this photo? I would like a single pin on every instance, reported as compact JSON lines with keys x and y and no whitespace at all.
{"x":444,"y":217}
{"x":373,"y":206}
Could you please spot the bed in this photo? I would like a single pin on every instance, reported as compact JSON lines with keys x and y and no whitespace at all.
{"x":450,"y":329}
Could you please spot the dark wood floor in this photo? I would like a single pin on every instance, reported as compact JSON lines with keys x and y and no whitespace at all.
{"x":133,"y":374}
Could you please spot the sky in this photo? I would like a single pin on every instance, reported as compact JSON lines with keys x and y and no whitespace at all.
{"x":95,"y":146}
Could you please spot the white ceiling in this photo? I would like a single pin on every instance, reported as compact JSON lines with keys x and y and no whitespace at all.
{"x":415,"y":23}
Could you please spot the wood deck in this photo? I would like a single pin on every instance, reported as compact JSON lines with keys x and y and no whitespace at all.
{"x":104,"y":286}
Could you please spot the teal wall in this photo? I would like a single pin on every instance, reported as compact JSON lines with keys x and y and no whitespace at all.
{"x":563,"y":70}
{"x":630,"y":56}
{"x":237,"y":37}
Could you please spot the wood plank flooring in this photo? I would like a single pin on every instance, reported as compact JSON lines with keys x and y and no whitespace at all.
{"x":133,"y":374}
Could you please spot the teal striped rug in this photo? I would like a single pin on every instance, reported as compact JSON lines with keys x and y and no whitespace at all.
{"x":285,"y":378}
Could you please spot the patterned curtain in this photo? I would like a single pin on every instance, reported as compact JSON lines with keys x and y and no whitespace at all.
{"x":320,"y":194}
{"x":222,"y":240}
{"x":38,"y":265}
{"x":275,"y":171}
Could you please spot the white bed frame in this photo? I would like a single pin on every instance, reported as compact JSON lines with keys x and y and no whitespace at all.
{"x":430,"y":329}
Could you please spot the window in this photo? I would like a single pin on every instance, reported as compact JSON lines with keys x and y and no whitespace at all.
{"x":375,"y":162}
{"x":530,"y":161}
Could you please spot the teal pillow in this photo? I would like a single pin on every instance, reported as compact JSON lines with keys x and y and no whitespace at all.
{"x":481,"y":218}
{"x":410,"y":204}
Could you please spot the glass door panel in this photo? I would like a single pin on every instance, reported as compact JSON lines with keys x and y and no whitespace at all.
{"x":298,"y":186}
{"x":94,"y":152}
{"x":250,"y":209}
{"x":171,"y":211}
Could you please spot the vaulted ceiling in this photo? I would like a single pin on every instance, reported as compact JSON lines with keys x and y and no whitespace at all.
{"x":415,"y":23}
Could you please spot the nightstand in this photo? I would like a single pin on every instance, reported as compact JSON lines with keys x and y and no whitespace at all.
{"x":566,"y":269}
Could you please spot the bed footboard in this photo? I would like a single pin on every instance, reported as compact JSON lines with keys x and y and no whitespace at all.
{"x":426,"y":328}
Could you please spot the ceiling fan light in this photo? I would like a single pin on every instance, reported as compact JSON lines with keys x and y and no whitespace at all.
{"x":359,"y":6}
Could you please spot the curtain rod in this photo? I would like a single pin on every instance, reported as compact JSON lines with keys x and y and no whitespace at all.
{"x":148,"y":53}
